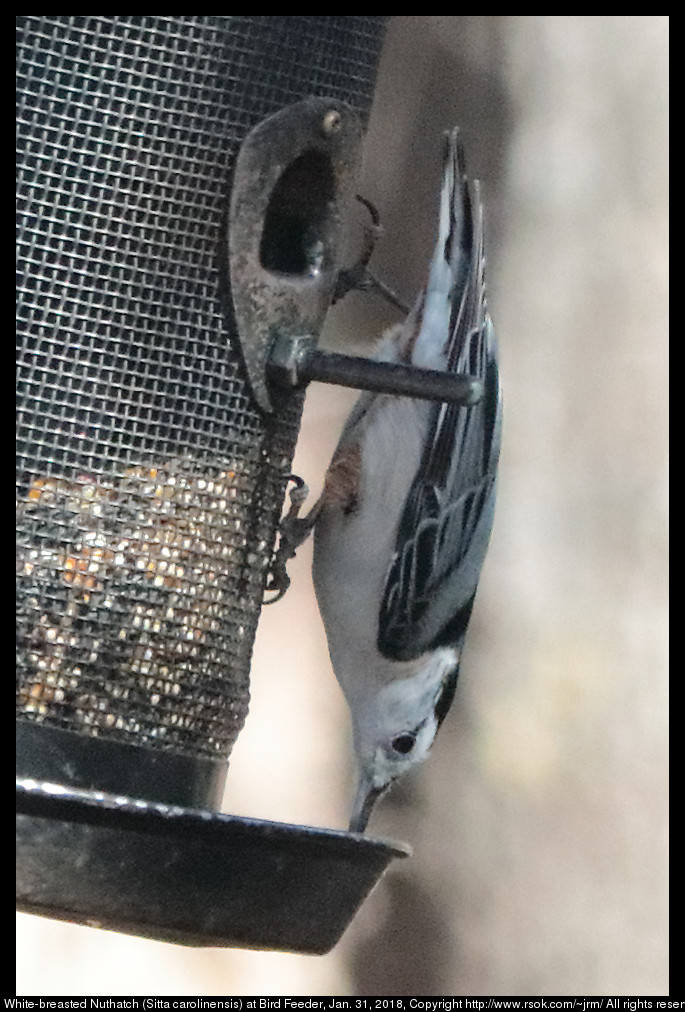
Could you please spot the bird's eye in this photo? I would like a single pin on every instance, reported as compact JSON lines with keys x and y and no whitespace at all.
{"x":404,"y":743}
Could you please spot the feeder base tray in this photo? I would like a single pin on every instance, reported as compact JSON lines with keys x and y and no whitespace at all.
{"x":189,"y":876}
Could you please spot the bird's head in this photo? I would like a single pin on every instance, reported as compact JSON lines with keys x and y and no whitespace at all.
{"x":395,"y":728}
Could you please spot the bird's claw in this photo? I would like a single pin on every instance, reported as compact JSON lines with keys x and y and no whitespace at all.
{"x":359,"y":277}
{"x":292,"y":530}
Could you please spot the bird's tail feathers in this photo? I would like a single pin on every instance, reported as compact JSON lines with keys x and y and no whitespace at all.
{"x":456,"y":263}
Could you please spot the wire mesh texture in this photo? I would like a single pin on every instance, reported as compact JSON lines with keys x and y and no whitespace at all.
{"x":148,"y":483}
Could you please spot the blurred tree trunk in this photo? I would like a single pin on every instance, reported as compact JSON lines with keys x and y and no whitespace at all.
{"x":539,"y":822}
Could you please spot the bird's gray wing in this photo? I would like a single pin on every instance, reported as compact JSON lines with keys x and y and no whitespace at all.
{"x":445,"y":526}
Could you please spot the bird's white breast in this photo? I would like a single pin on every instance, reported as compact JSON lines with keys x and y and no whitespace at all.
{"x":352,"y":553}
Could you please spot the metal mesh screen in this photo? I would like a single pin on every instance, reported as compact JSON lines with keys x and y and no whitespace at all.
{"x":148,"y":484}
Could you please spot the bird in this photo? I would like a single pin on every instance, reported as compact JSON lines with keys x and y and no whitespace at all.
{"x":403,"y":523}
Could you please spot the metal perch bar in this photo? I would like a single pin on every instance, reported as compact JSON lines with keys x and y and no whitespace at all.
{"x":295,"y":362}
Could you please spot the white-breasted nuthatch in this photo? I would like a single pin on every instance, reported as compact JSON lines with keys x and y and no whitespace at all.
{"x":403,"y":523}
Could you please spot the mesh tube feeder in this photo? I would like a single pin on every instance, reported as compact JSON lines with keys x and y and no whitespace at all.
{"x":150,"y":477}
{"x":183,"y":183}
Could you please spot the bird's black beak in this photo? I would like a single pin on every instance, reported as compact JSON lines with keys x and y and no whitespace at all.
{"x":366,"y":797}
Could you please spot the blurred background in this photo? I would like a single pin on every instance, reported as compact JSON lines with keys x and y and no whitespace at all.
{"x":539,"y":823}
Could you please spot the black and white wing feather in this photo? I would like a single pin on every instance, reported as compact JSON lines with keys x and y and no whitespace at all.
{"x":445,"y":526}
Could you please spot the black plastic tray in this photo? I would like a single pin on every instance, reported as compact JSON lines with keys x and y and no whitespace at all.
{"x":189,"y":876}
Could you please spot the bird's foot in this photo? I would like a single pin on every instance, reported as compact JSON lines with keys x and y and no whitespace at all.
{"x":359,"y":276}
{"x":293,"y":530}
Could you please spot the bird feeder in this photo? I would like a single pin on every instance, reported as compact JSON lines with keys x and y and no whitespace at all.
{"x":153,"y":453}
{"x":183,"y":185}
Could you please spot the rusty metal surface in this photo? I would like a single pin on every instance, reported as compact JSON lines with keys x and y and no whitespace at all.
{"x":293,"y":184}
